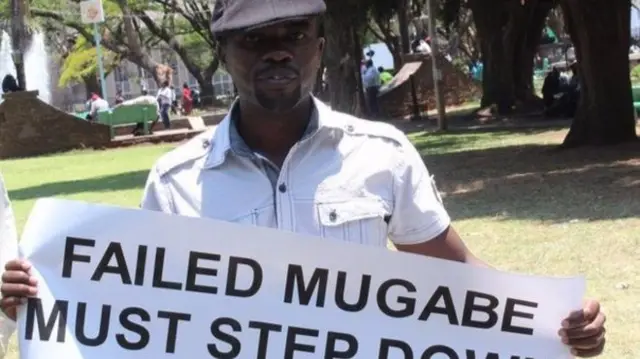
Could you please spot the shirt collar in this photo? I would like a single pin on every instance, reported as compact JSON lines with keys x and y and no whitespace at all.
{"x":227,"y":139}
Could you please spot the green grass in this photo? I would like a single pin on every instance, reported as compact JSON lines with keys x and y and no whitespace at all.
{"x":519,"y":204}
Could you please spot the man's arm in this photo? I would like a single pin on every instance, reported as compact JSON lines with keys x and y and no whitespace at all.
{"x":419,"y":223}
{"x":447,"y":245}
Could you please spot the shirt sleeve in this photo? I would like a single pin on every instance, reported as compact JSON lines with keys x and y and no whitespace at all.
{"x":418,"y":212}
{"x":156,"y":197}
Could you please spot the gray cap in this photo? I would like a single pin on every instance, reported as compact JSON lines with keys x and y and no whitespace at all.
{"x":231,"y":15}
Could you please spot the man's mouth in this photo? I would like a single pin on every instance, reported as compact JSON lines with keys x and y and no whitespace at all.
{"x":277,"y":76}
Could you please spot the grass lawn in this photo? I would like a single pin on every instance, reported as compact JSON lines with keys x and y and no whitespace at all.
{"x":518,"y":203}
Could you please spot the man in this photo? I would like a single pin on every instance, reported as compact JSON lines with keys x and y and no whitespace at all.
{"x":10,"y":84}
{"x":143,"y":99}
{"x":550,"y":88}
{"x":284,"y":160}
{"x":165,"y":99}
{"x":8,"y":251}
{"x":96,"y":104}
{"x":385,"y":76}
{"x":371,"y":79}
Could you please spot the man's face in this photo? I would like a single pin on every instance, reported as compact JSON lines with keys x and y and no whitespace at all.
{"x":275,"y":66}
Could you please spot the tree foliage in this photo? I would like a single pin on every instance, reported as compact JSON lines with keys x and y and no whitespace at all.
{"x":82,"y":62}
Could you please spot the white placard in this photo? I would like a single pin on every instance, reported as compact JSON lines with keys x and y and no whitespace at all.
{"x":91,"y":11}
{"x":129,"y":283}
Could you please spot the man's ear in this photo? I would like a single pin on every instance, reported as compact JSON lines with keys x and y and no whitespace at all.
{"x":321,"y":43}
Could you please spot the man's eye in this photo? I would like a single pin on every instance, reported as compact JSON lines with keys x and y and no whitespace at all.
{"x":298,"y":36}
{"x":251,"y":38}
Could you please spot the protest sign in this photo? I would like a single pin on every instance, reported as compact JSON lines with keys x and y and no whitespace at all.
{"x":125,"y":283}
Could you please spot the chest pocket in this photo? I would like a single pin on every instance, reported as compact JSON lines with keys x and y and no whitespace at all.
{"x":357,"y":220}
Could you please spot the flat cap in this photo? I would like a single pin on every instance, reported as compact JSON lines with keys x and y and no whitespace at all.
{"x":229,"y":15}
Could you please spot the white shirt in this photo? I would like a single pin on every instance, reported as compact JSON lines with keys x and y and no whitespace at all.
{"x":140,"y":100}
{"x":371,"y":77}
{"x":351,"y":180}
{"x":98,"y":105}
{"x":165,"y":95}
{"x":8,"y":251}
{"x":423,"y":47}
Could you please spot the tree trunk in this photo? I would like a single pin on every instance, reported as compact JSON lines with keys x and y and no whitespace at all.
{"x":509,"y":33}
{"x":341,"y":69}
{"x":92,"y":83}
{"x":207,"y":93}
{"x":526,"y":48}
{"x":600,"y":32}
{"x":19,"y":11}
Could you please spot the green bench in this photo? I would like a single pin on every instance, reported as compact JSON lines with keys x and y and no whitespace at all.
{"x":128,"y":115}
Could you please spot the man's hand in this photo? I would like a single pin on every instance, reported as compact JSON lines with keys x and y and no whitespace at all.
{"x":17,"y":285}
{"x":584,"y":330}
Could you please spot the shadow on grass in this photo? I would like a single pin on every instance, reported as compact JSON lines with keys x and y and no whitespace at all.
{"x":121,"y":181}
{"x":538,"y":182}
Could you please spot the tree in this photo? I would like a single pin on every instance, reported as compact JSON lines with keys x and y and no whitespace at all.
{"x":121,"y":34}
{"x":185,"y":29}
{"x":81,"y":65}
{"x":19,"y":13}
{"x":600,"y":32}
{"x":509,"y":32}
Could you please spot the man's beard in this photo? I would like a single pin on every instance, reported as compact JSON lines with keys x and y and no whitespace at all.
{"x":279,"y":103}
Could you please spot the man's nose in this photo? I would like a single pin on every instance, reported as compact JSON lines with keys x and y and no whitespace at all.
{"x":277,"y":56}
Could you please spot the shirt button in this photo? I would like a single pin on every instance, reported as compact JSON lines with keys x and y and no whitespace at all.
{"x":333,"y":216}
{"x":350,"y":128}
{"x":282,"y":188}
{"x":205,"y":144}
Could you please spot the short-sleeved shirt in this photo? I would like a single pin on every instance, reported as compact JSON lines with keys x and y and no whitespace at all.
{"x":347,"y":179}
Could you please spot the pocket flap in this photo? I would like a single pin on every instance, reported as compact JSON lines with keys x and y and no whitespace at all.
{"x":337,"y":213}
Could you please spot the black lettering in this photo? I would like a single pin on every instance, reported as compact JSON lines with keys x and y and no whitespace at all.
{"x":231,"y":289}
{"x":295,"y":279}
{"x":331,"y":352}
{"x":158,"y":270}
{"x":216,"y":331}
{"x":439,"y":349}
{"x":387,"y":344}
{"x":448,"y":309}
{"x":470,"y":306}
{"x":103,"y":328}
{"x":141,"y":264}
{"x":341,"y":289}
{"x":70,"y":256}
{"x":194,"y":270}
{"x":114,"y":251}
{"x":263,"y":341}
{"x":143,"y":333}
{"x":510,"y":312}
{"x":472,"y":355}
{"x":409,"y":303}
{"x":172,"y":330}
{"x":292,"y":346}
{"x":35,"y":312}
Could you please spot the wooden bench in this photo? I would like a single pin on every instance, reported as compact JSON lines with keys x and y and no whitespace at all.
{"x":128,"y":115}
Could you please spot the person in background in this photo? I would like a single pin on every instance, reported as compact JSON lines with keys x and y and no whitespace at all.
{"x":174,"y":100}
{"x":187,"y":100}
{"x":550,"y":88}
{"x":10,"y":84}
{"x":371,"y":79}
{"x":96,"y":104}
{"x":165,"y":98}
{"x":385,"y":76}
{"x":143,"y":99}
{"x":8,"y":251}
{"x":119,"y":97}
